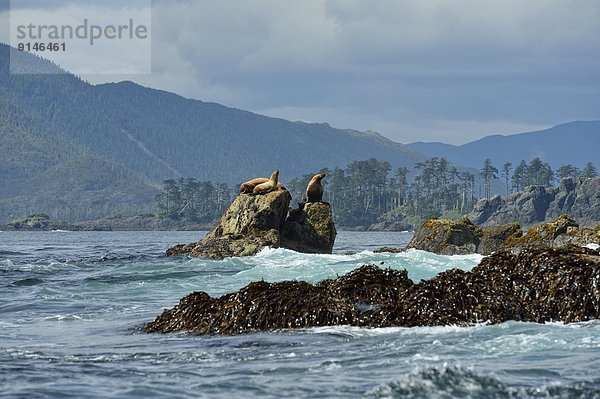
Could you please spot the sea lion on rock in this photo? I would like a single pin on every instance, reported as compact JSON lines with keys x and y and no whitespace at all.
{"x":314,"y":190}
{"x":248,"y":187}
{"x":269,"y":185}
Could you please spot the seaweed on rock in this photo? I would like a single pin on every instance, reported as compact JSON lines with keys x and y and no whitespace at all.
{"x":536,"y":284}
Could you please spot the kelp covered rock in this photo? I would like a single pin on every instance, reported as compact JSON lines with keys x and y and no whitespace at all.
{"x":495,"y":238}
{"x":536,"y":284}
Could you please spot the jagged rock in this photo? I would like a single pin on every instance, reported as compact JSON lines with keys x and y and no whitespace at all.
{"x":250,"y":214}
{"x":537,"y":284}
{"x":253,"y":222}
{"x":310,"y":229}
{"x":558,"y":233}
{"x":577,"y":196}
{"x":484,"y":209}
{"x":447,"y":237}
{"x":494,"y":238}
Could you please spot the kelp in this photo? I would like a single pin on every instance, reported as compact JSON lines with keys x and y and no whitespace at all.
{"x":536,"y":284}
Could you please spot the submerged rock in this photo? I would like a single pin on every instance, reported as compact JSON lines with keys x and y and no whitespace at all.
{"x":253,"y":222}
{"x":537,"y":284}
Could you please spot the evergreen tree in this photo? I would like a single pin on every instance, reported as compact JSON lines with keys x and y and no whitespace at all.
{"x":519,"y":176}
{"x":589,"y":170}
{"x":567,"y":170}
{"x":506,"y":168}
{"x":539,"y":173}
{"x":489,"y":172}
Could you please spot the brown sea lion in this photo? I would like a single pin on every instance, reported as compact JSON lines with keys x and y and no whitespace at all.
{"x":267,"y":186}
{"x":248,"y":186}
{"x":314,"y":190}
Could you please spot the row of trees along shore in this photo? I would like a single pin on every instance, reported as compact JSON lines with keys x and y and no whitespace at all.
{"x":369,"y":191}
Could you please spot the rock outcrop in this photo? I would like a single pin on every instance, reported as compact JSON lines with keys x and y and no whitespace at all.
{"x":576,"y":196}
{"x":537,"y":284}
{"x":309,"y":229}
{"x":495,"y":238}
{"x":37,"y":222}
{"x":448,"y":237}
{"x":558,"y":233}
{"x":253,"y":222}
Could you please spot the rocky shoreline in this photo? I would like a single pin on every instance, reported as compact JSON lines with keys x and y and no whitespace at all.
{"x":148,"y":222}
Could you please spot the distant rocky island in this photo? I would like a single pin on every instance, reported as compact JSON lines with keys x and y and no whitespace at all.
{"x":147,"y":222}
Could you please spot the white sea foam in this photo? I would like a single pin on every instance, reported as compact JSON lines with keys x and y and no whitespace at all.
{"x":356,"y":332}
{"x":66,"y":317}
{"x":277,"y":264}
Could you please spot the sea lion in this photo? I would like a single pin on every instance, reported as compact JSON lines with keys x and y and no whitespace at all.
{"x":248,"y":187}
{"x":269,"y":185}
{"x":314,"y":190}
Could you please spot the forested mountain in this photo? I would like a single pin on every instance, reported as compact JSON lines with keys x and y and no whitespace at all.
{"x":574,"y":143}
{"x":78,"y":151}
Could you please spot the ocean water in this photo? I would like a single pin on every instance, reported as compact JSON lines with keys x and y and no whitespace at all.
{"x":72,"y":305}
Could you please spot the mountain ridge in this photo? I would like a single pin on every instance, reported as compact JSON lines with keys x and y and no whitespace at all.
{"x":58,"y":129}
{"x":554,"y":145}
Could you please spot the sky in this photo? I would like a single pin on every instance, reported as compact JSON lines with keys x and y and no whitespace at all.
{"x":413,"y":70}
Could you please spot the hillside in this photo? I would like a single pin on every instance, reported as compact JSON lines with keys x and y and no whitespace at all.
{"x":571,"y":143}
{"x":77,"y":151}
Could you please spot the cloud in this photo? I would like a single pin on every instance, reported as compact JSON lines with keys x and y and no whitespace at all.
{"x":406,"y":68}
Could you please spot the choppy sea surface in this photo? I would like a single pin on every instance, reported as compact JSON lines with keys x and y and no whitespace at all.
{"x":72,"y":305}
